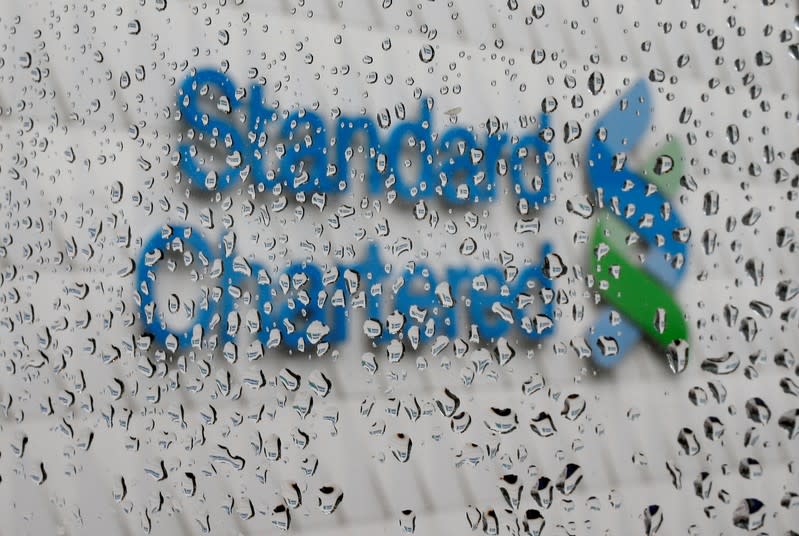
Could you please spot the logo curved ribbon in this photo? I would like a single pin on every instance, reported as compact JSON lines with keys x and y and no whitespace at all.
{"x":635,"y":206}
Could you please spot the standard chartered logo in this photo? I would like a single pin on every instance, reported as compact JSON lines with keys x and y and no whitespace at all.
{"x":636,"y":210}
{"x":308,"y":305}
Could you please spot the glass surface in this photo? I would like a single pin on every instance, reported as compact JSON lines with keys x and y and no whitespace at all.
{"x":399,"y":267}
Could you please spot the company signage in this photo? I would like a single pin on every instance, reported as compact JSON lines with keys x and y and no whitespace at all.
{"x":307,"y":304}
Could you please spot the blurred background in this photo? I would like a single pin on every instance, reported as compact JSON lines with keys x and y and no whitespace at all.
{"x":101,"y":432}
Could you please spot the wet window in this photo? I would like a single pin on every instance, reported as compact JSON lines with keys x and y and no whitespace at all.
{"x":399,"y":267}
